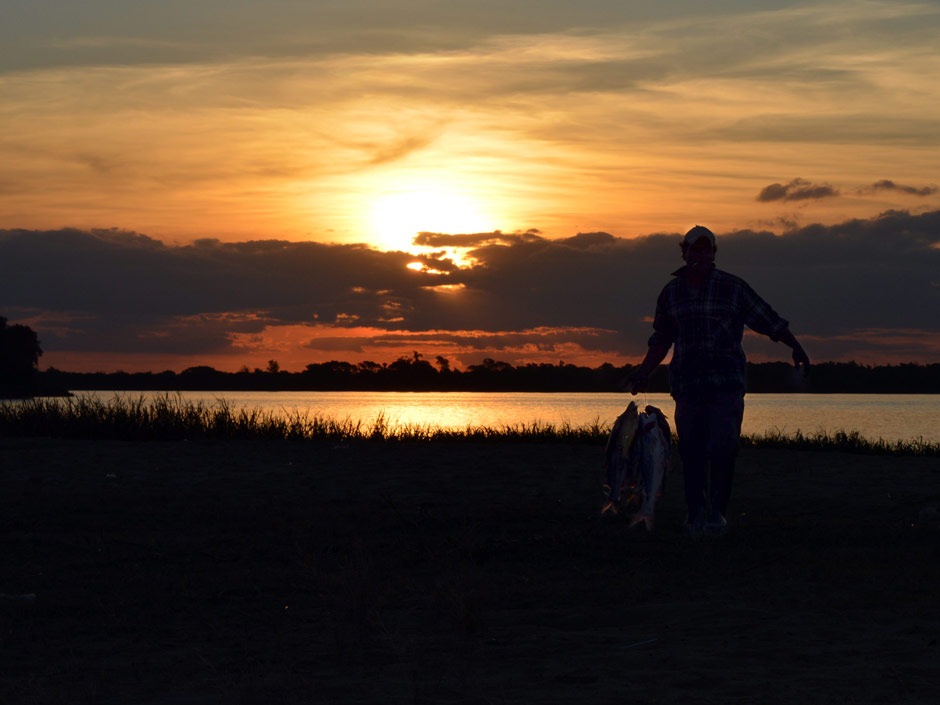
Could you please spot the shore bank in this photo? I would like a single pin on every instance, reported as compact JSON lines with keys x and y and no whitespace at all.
{"x":300,"y":572}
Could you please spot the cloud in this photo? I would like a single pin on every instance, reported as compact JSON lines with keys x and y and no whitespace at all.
{"x":585,"y":346}
{"x":426,"y":239}
{"x":541,"y":340}
{"x":883,"y":128}
{"x":397,"y":147}
{"x":888,"y":185}
{"x":544,"y":339}
{"x":797,"y":190}
{"x":526,"y":295}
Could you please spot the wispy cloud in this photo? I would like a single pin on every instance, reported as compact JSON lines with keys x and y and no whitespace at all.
{"x":110,"y":42}
{"x":796,"y":190}
{"x":888,"y":185}
{"x":803,"y":190}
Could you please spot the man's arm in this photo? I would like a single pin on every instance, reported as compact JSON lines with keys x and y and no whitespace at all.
{"x":799,"y":354}
{"x":664,"y":334}
{"x":640,"y":377}
{"x":760,"y":317}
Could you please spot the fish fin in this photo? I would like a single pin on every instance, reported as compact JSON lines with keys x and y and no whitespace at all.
{"x":641,"y":517}
{"x":609,"y":507}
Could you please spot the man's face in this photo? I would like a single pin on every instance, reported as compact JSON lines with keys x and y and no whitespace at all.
{"x":700,"y":255}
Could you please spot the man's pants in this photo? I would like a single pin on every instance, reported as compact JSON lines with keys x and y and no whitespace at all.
{"x":709,"y":428}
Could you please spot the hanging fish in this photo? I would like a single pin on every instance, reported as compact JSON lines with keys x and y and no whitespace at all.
{"x":636,"y":462}
{"x":617,"y":456}
{"x":654,"y":450}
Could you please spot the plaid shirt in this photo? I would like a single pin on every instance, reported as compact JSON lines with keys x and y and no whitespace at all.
{"x":706,"y":327}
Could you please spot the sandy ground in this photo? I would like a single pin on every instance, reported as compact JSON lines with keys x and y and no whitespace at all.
{"x":278,"y":572}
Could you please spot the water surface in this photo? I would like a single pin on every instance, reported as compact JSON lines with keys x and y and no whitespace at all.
{"x":888,"y":416}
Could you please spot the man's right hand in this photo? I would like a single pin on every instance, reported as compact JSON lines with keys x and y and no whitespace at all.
{"x":638,"y":380}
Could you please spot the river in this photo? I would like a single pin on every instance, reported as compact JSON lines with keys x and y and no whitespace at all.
{"x":889,"y":416}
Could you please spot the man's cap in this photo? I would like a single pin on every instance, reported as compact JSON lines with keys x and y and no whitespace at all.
{"x":697,"y":233}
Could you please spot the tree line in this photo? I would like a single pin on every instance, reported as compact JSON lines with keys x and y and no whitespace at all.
{"x":20,"y":352}
{"x":414,"y":373}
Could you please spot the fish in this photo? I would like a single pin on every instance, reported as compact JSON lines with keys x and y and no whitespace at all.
{"x":617,"y":456}
{"x":637,"y":459}
{"x":654,"y":453}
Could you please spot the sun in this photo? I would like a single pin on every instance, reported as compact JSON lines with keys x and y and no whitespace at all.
{"x":397,"y":216}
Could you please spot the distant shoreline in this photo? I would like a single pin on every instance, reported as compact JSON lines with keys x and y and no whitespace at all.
{"x":75,"y":391}
{"x":418,"y":375}
{"x":72,"y":392}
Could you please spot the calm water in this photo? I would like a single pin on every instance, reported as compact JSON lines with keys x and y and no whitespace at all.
{"x":891,"y":417}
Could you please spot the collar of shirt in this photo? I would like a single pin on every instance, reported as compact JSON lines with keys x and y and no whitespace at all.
{"x":684,"y":269}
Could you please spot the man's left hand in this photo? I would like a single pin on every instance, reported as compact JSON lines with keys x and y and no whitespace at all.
{"x":800,"y":358}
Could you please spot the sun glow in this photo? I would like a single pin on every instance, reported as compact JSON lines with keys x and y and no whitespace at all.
{"x":398,"y":216}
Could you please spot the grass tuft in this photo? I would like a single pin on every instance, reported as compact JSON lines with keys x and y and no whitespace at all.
{"x":841,"y":440}
{"x":171,"y":417}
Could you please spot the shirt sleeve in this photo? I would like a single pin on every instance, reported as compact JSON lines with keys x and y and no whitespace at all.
{"x":664,"y":325}
{"x":760,"y":317}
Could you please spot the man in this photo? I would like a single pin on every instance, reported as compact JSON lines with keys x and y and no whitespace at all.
{"x":703,"y":312}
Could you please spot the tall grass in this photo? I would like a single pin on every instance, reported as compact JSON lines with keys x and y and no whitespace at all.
{"x":842,"y":440}
{"x":173,"y":418}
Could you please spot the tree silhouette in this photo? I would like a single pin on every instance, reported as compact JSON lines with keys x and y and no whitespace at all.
{"x":413,"y":373}
{"x":19,"y":356}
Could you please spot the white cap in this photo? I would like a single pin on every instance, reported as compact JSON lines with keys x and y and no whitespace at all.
{"x":697,"y":233}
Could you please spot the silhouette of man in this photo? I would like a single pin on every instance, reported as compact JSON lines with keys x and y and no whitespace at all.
{"x":702,"y":312}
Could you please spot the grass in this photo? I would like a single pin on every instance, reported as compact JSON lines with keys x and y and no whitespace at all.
{"x":841,"y":440}
{"x":446,"y":573}
{"x":245,"y":572}
{"x":174,"y":418}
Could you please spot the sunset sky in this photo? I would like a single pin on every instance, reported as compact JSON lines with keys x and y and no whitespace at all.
{"x":228,"y":182}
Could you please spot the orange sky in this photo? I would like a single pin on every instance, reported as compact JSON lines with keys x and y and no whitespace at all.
{"x":605,"y":122}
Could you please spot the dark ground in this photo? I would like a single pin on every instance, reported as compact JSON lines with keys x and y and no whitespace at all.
{"x":279,"y":572}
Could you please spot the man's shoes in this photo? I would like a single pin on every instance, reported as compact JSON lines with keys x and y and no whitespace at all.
{"x":695,"y":526}
{"x":716,"y":526}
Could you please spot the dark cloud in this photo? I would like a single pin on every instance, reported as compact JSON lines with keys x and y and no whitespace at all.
{"x":119,"y":289}
{"x":780,"y":222}
{"x":796,"y":190}
{"x":115,"y":272}
{"x":803,"y":190}
{"x":544,"y":339}
{"x":426,"y":239}
{"x":587,"y":241}
{"x":116,"y":291}
{"x":888,"y":185}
